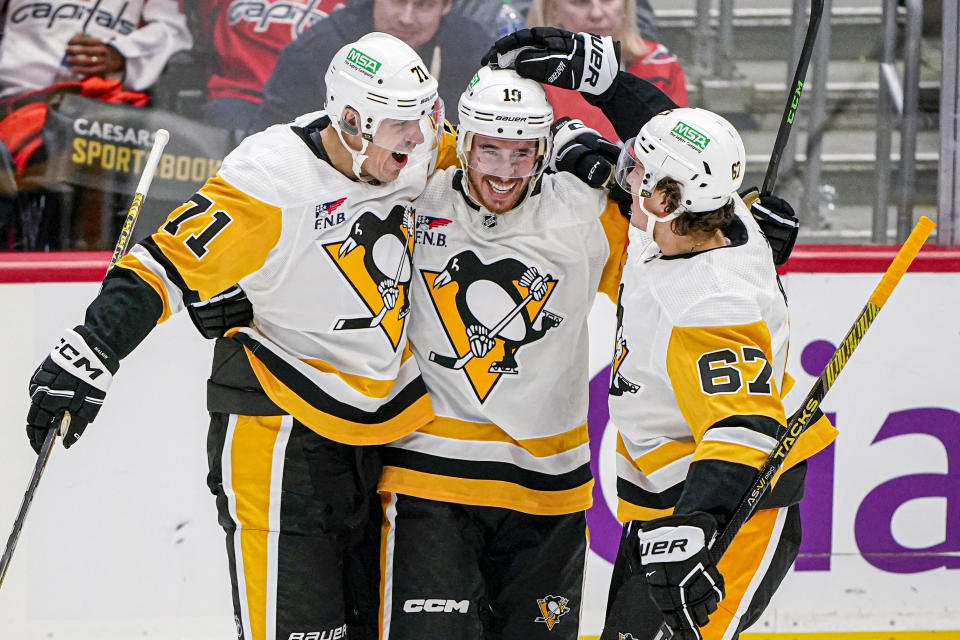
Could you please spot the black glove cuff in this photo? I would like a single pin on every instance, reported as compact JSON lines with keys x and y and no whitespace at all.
{"x":106,"y":354}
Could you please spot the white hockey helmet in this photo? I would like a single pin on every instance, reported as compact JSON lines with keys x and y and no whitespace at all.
{"x":697,"y":148}
{"x":500,"y":104}
{"x":389,"y":86}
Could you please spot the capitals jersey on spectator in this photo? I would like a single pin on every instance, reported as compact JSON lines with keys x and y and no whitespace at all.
{"x":248,"y":36}
{"x":35,"y":36}
{"x":311,"y":249}
{"x":698,"y":374}
{"x":511,"y":424}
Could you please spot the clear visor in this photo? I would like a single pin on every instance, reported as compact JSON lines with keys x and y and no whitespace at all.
{"x":417,"y":138}
{"x":629,"y":172}
{"x":506,"y":158}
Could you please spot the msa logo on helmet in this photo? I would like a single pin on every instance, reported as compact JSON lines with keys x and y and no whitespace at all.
{"x":476,"y":79}
{"x":691,"y":135}
{"x":435,"y":605}
{"x":363,"y":61}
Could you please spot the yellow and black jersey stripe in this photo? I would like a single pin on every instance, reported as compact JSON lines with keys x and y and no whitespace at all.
{"x":342,"y":407}
{"x":465,"y":462}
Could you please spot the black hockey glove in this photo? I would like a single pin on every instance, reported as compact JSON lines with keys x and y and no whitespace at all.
{"x":684,"y":581}
{"x":777,"y":220}
{"x":579,"y":61}
{"x":224,"y":311}
{"x":75,"y":378}
{"x":580,"y":150}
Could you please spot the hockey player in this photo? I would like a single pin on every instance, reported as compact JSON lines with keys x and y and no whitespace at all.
{"x":312,"y":218}
{"x":700,"y":367}
{"x":484,"y":529}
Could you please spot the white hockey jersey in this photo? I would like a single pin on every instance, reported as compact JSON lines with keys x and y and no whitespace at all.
{"x":35,"y":36}
{"x":311,"y":249}
{"x":699,"y":366}
{"x":510,"y":428}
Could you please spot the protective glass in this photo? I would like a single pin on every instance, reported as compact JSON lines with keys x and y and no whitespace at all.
{"x":623,"y":173}
{"x":506,"y":158}
{"x":417,"y":139}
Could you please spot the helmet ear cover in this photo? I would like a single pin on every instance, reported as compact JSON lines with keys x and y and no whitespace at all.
{"x":346,"y":127}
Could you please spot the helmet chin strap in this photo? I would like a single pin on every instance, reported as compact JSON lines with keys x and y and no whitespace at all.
{"x":358,"y":156}
{"x":652,"y":220}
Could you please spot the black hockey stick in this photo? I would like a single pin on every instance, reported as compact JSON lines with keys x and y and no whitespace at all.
{"x":454,"y":362}
{"x":159,"y":142}
{"x":348,"y":324}
{"x":793,"y":98}
{"x":800,"y":420}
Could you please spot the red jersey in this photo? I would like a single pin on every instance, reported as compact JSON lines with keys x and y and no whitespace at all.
{"x":248,"y":36}
{"x":659,"y":67}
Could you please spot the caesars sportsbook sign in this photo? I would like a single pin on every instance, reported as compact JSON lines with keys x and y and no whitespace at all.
{"x":104,"y":146}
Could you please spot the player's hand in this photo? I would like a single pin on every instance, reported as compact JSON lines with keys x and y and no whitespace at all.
{"x":480,"y":341}
{"x":92,"y":57}
{"x":224,"y":311}
{"x":582,"y":151}
{"x":777,"y":220}
{"x":75,"y":378}
{"x":534,"y":282}
{"x":684,"y":581}
{"x":579,"y":61}
{"x":389,"y":292}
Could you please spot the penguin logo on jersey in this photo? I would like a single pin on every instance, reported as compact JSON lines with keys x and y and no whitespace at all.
{"x":375,"y":258}
{"x":618,"y":384}
{"x":489,"y":311}
{"x":625,"y":636}
{"x":552,"y":608}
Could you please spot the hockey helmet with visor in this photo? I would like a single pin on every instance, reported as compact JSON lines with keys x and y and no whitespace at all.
{"x":394,"y":96}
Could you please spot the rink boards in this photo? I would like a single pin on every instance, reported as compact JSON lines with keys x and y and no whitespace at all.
{"x":122,"y":541}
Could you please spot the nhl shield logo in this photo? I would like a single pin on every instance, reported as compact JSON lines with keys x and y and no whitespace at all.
{"x":552,"y":608}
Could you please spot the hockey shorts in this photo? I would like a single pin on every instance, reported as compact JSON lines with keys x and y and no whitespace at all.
{"x":752,"y":568}
{"x":302,"y":522}
{"x":479,"y":573}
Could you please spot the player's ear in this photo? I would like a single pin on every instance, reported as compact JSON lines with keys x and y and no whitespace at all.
{"x":447,"y":5}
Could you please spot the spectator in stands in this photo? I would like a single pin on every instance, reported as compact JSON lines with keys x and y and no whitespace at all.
{"x":66,"y":41}
{"x":448,"y":42}
{"x":643,"y":58}
{"x":245,"y":40}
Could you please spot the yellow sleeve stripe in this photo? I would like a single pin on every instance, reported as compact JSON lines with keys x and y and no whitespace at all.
{"x":615,"y":227}
{"x":668,"y":452}
{"x":730,"y":452}
{"x":230,"y":252}
{"x":133,"y":264}
{"x":490,"y":493}
{"x":485,"y":432}
{"x":817,"y":437}
{"x":627,"y":511}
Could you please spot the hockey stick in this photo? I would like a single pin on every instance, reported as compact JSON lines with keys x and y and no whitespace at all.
{"x":347,"y":324}
{"x":159,"y":142}
{"x":800,"y":420}
{"x":452,"y":362}
{"x":793,"y":98}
